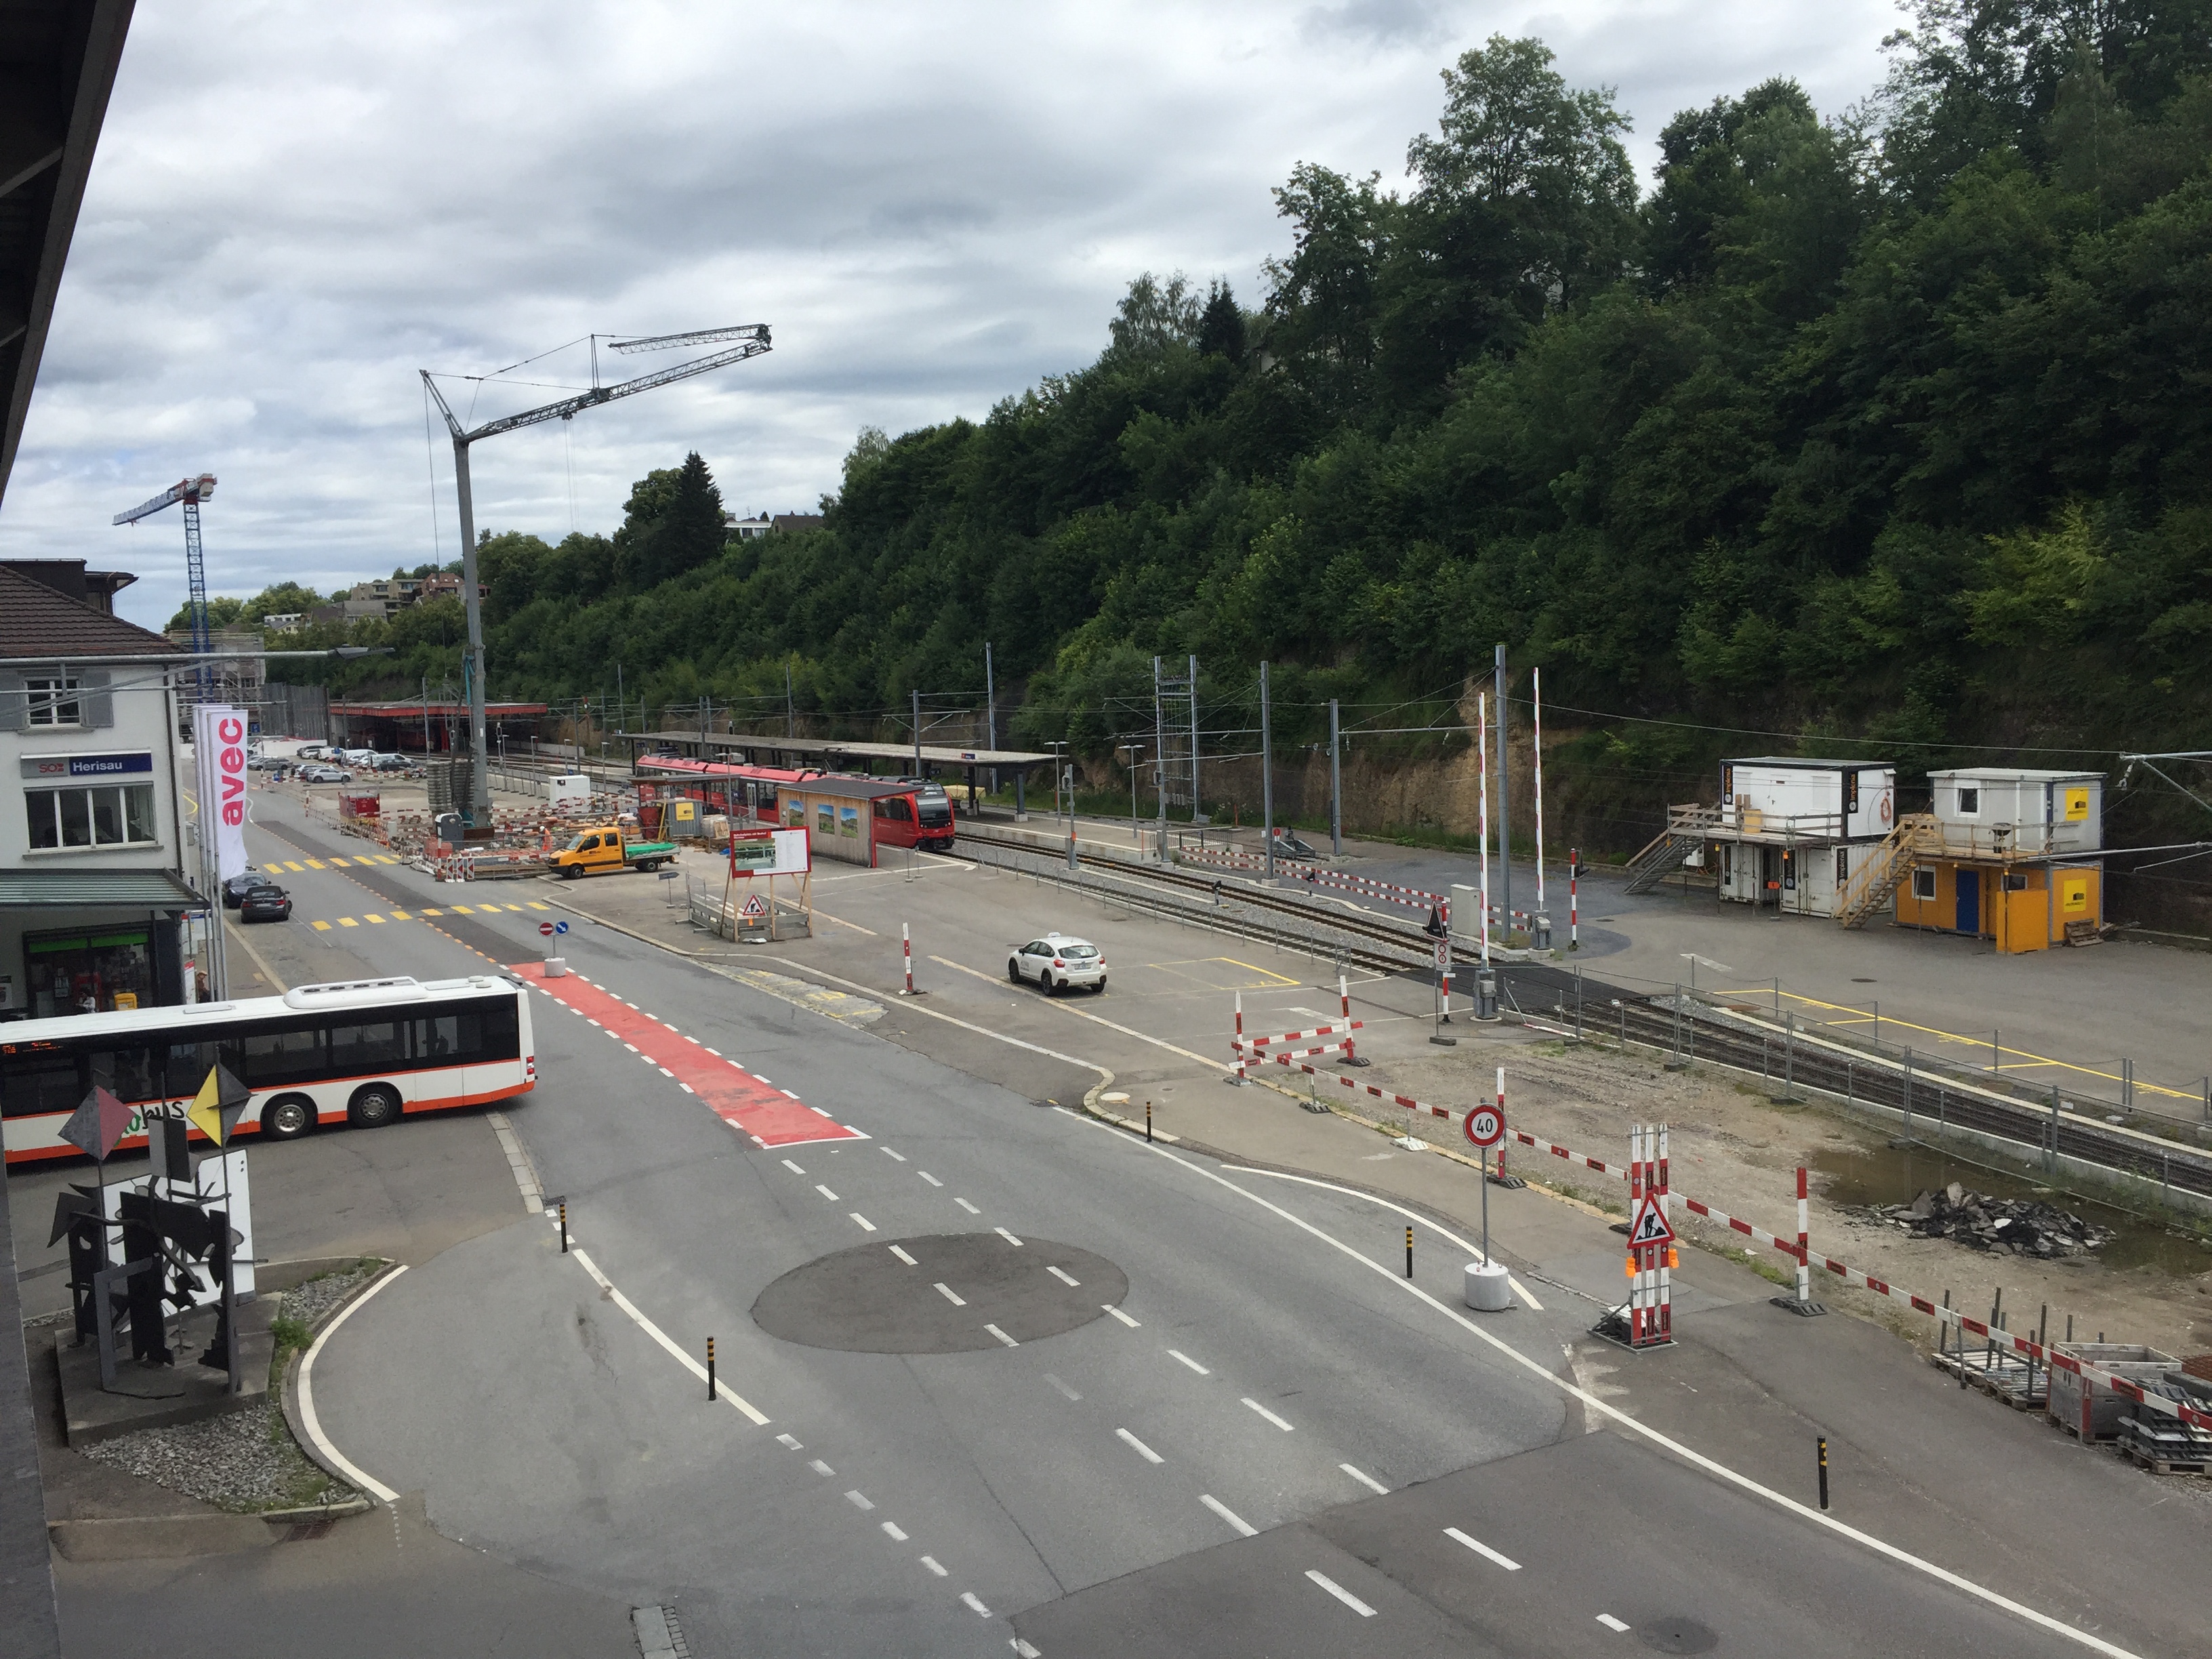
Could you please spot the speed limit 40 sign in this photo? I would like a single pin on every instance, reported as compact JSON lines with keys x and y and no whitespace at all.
{"x":1485,"y":1127}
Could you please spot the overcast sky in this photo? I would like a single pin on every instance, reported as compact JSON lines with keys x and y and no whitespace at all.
{"x":295,"y":206}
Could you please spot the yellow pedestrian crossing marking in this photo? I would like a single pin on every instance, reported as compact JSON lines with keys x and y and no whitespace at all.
{"x":376,"y":919}
{"x":465,"y":909}
{"x":314,"y":864}
{"x":295,"y":868}
{"x":401,"y":915}
{"x":535,"y":905}
{"x":348,"y":922}
{"x":322,"y":928}
{"x":433,"y":913}
{"x":341,"y":863}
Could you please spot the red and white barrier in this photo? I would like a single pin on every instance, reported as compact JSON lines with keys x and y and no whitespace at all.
{"x":906,"y":950}
{"x":1574,"y":895}
{"x":1250,"y":1051}
{"x":1650,"y":1266}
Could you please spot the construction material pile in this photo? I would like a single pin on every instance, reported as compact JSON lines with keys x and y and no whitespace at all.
{"x":2015,"y":1226}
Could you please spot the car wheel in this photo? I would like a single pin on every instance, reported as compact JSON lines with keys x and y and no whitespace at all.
{"x":1100,"y":989}
{"x":1014,"y":969}
{"x":373,"y":1106}
{"x":569,"y":872}
{"x":287,"y":1117}
{"x":1046,"y":983}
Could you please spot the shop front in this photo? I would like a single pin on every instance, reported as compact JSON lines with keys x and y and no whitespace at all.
{"x":66,"y":956}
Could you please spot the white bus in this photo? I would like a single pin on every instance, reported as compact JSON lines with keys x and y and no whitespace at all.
{"x":363,"y":1052}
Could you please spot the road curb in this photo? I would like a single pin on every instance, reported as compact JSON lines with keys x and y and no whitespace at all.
{"x":288,"y":1397}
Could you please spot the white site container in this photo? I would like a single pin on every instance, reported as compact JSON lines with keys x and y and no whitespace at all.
{"x":2010,"y":809}
{"x":567,"y":789}
{"x":1835,"y":800}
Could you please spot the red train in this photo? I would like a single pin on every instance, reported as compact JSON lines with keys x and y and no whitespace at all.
{"x":904,"y":813}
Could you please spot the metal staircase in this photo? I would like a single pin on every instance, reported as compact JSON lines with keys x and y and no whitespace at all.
{"x":1918,"y":836}
{"x":1688,"y":828}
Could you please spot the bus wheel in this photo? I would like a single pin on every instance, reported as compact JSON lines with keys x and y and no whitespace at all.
{"x":373,"y":1106}
{"x":287,"y":1117}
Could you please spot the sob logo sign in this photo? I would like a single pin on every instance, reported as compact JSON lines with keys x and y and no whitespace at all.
{"x":219,"y":744}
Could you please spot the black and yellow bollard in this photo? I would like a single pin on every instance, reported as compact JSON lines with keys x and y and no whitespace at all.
{"x":1824,"y":1471}
{"x":710,"y":1375}
{"x":1148,"y":1123}
{"x":564,"y":1226}
{"x":1409,"y":1252}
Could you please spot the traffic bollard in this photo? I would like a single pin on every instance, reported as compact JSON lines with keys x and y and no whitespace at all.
{"x":1824,"y":1471}
{"x":710,"y":1375}
{"x":906,"y":951}
{"x":1148,"y":1123}
{"x":1409,"y":1252}
{"x":564,"y":1226}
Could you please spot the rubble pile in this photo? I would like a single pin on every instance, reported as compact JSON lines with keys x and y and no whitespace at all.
{"x":2015,"y":1226}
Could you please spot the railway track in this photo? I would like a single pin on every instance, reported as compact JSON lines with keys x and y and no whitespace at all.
{"x":1375,"y":943}
{"x":1933,"y":1104}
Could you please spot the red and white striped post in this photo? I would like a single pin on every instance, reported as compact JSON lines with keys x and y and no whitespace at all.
{"x":1344,"y":1007}
{"x":1804,"y":1241}
{"x":1574,"y":895}
{"x":906,"y":949}
{"x":1664,"y":1254}
{"x":1499,"y":1178}
{"x":1243,"y":1058}
{"x":1635,"y":1251}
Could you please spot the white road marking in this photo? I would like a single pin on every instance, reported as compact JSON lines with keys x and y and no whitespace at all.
{"x":820,"y":1468}
{"x":758,"y":1077}
{"x":1062,"y":1277}
{"x":866,"y":1226}
{"x":930,"y":1561}
{"x":1020,"y":1646}
{"x":787,"y":1441}
{"x":687,"y":1087}
{"x":664,"y":1071}
{"x":788,"y":1092}
{"x":817,"y":1110}
{"x":1340,"y":1592}
{"x":825,"y":1192}
{"x":904,"y":1257}
{"x":1610,"y":1622}
{"x":1513,"y":1284}
{"x":858,"y":1500}
{"x":1264,"y":1412}
{"x":966,"y":1206}
{"x":588,"y":1020}
{"x":1229,"y":1515}
{"x":1008,"y":1237}
{"x":896,"y":1535}
{"x":946,"y":1292}
{"x":1061,"y":1386}
{"x":930,"y":1178}
{"x":373,"y":1487}
{"x":682,"y":1357}
{"x":970,"y":1598}
{"x":1142,"y":1450}
{"x":1482,"y":1549}
{"x":717,"y":1053}
{"x":794,"y":1167}
{"x":1366,"y":1480}
{"x":1711,"y":1466}
{"x":1002,"y":1336}
{"x":1178,"y":1353}
{"x":888,"y":1152}
{"x":1119,"y":1315}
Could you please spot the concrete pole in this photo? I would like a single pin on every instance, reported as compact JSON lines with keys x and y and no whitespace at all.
{"x":990,"y":712}
{"x":1335,"y":788}
{"x":1504,"y":811}
{"x":1267,"y":777}
{"x":1159,"y":772}
{"x":479,"y":758}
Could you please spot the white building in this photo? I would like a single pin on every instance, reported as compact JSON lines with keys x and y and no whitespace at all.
{"x":92,"y":891}
{"x":1786,"y":835}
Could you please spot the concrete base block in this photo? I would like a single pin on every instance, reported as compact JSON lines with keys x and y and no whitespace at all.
{"x":557,"y":967}
{"x":1486,"y":1290}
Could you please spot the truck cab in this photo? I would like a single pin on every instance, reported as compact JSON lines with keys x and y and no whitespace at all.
{"x":609,"y":849}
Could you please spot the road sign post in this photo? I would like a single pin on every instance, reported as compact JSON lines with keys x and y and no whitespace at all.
{"x":1485,"y":1128}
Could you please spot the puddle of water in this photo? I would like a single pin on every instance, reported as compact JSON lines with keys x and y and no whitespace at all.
{"x":1872,"y":1172}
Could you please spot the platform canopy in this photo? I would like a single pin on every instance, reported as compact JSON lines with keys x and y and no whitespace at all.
{"x":822,"y":749}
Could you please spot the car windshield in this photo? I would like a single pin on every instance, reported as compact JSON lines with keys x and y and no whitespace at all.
{"x":1080,"y":952}
{"x":577,"y":842}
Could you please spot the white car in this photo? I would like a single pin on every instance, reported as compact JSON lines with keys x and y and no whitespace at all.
{"x":1057,"y":961}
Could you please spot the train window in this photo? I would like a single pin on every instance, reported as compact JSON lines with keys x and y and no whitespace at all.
{"x":36,"y":1083}
{"x":374,"y":1045}
{"x":895,"y":807}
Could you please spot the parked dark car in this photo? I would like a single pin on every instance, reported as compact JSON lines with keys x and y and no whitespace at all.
{"x":265,"y":902}
{"x":237,"y":887}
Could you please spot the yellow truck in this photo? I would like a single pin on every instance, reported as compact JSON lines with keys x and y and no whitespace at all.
{"x":609,"y":848}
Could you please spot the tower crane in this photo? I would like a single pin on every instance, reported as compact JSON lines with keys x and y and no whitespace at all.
{"x":188,"y":493}
{"x":741,"y":342}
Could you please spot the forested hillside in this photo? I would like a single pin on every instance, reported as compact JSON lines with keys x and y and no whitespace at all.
{"x":1890,"y":423}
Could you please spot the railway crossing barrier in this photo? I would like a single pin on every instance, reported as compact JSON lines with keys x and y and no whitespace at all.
{"x":1250,"y":1051}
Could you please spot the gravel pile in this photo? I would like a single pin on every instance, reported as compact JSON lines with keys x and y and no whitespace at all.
{"x":243,"y":1461}
{"x":2014,"y":1226}
{"x":309,"y":1302}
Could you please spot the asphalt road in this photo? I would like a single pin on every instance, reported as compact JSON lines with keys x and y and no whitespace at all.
{"x":1195,"y":1470}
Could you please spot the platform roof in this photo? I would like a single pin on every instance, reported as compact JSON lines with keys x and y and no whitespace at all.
{"x":932,"y":754}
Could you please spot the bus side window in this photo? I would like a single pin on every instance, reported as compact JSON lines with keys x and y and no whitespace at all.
{"x":53,"y":1081}
{"x":447,"y":1039}
{"x":278,"y":1057}
{"x":187,"y":1067}
{"x":357,"y":1050}
{"x":128,"y":1073}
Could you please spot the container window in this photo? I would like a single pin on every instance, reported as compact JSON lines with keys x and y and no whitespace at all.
{"x":1970,"y":803}
{"x":1924,"y":885}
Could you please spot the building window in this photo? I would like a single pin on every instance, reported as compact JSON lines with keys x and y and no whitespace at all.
{"x":1923,"y":886}
{"x":113,"y":815}
{"x":54,"y":702}
{"x":1970,"y":803}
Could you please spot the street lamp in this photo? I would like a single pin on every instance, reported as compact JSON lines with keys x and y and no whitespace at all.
{"x":1133,"y":750}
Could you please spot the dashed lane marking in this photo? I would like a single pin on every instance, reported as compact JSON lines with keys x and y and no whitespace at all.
{"x":1264,"y":1412}
{"x":949,"y":1294}
{"x":1229,"y":1515}
{"x":1482,"y":1549}
{"x":1139,"y":1447}
{"x":1178,"y":1353}
{"x":1119,"y":1315}
{"x":1366,"y":1480}
{"x":1344,"y":1594}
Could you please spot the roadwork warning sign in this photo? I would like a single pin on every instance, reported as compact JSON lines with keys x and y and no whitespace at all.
{"x":1650,"y":1226}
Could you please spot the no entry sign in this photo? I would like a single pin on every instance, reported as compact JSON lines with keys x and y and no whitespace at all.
{"x":546,"y":928}
{"x":1485,"y":1127}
